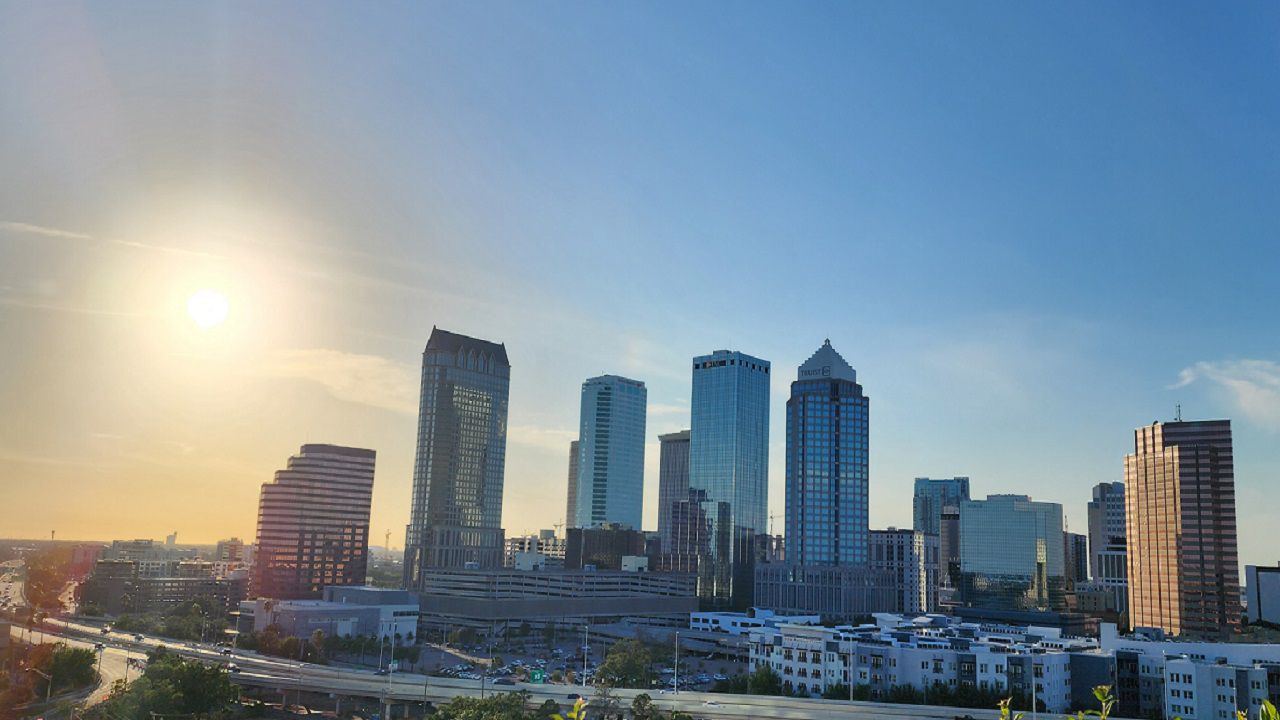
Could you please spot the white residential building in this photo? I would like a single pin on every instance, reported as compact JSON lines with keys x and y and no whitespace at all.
{"x":733,"y":623}
{"x":925,"y":652}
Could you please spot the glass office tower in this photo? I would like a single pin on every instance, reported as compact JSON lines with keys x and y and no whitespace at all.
{"x":456,"y":514}
{"x":1011,"y":554}
{"x":932,"y":497}
{"x":610,"y":487}
{"x":728,"y":468}
{"x":827,"y":463}
{"x":673,"y":481}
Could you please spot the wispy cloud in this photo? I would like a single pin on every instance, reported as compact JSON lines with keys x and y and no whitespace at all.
{"x":52,"y":307}
{"x":668,"y":409}
{"x":52,"y":232}
{"x":366,"y":379}
{"x":29,"y":229}
{"x":552,"y":440}
{"x":1252,"y":385}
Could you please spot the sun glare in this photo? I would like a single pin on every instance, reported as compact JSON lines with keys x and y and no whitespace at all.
{"x":208,"y":308}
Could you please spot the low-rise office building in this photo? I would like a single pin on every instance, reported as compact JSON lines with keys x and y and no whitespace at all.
{"x":344,"y":610}
{"x":489,"y":600}
{"x":837,"y":593}
{"x":545,"y":543}
{"x":120,"y":586}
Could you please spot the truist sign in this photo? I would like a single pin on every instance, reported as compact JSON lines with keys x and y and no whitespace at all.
{"x":822,"y":372}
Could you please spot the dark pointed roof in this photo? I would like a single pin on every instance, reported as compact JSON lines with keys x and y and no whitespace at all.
{"x":445,"y":341}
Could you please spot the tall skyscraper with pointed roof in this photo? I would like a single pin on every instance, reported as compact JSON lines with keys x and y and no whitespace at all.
{"x":456,"y":513}
{"x":827,"y":463}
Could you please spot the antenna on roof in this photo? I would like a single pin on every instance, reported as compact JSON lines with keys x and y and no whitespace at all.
{"x":1177,"y":415}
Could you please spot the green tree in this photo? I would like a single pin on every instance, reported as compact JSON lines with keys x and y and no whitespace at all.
{"x":628,"y":664}
{"x":507,"y":706}
{"x":642,"y":708}
{"x":764,"y":681}
{"x":171,"y":685}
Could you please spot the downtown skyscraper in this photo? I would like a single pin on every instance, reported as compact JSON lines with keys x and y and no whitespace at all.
{"x":1180,"y":528}
{"x":729,"y":471}
{"x":932,"y":497}
{"x":673,"y":481}
{"x":313,"y":523}
{"x":456,"y":513}
{"x":827,"y":463}
{"x":610,"y":483}
{"x":571,"y":503}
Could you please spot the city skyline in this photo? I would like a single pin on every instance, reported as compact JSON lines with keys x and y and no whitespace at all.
{"x":1018,"y":251}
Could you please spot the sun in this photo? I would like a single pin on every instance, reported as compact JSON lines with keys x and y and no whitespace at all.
{"x":208,"y":308}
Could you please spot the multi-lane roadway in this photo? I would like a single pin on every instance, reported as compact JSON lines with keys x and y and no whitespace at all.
{"x":400,"y":688}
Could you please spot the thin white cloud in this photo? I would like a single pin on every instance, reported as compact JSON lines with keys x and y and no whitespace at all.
{"x":667,"y":409}
{"x":366,"y":379}
{"x":29,"y":229}
{"x":1253,"y":386}
{"x":52,"y":232}
{"x":551,"y":440}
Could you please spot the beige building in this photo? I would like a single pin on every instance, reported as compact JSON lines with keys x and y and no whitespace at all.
{"x":1180,"y":518}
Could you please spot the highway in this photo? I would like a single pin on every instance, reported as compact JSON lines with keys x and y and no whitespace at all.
{"x":281,"y":674}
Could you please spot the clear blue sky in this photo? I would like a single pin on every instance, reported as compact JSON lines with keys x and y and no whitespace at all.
{"x":1031,"y":228}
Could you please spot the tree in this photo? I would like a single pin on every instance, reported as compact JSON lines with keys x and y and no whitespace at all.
{"x":171,"y":685}
{"x":628,"y":664}
{"x":547,"y":710}
{"x":642,"y":708}
{"x":70,"y":667}
{"x":605,"y":702}
{"x":507,"y":706}
{"x":764,"y":681}
{"x":317,"y":643}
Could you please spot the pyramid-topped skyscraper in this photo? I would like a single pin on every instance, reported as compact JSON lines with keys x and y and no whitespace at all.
{"x":827,"y":418}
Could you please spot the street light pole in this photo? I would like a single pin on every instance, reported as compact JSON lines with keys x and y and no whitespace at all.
{"x":586,"y":643}
{"x":675,"y":679}
{"x":48,"y":691}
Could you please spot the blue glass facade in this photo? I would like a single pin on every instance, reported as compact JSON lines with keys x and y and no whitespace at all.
{"x":1011,"y":554}
{"x":728,"y":470}
{"x":932,"y":497}
{"x":610,"y":484}
{"x":827,"y":432}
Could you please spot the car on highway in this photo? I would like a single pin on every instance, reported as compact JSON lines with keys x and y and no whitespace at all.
{"x":226,"y":651}
{"x":382,"y":671}
{"x":138,"y":637}
{"x":711,"y":703}
{"x":233,"y":668}
{"x":504,"y":681}
{"x":99,"y":646}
